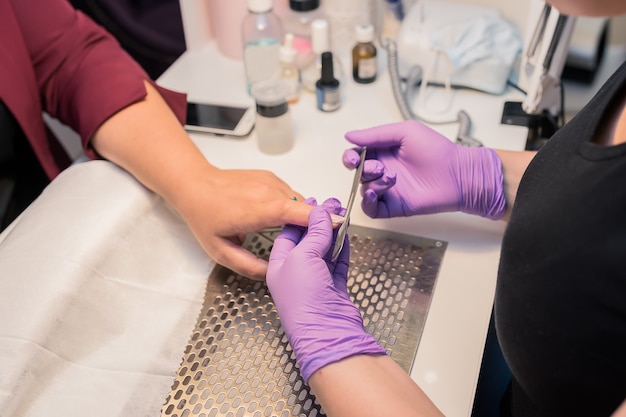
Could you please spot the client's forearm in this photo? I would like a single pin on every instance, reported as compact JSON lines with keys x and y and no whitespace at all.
{"x":147,"y":140}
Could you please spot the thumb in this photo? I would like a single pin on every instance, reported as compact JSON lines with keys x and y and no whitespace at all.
{"x":285,"y":242}
{"x":388,"y":135}
{"x":316,"y":242}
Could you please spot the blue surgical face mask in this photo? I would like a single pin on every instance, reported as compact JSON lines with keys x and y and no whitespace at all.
{"x":484,"y":37}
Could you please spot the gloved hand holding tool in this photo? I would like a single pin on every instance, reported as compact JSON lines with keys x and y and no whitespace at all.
{"x":309,"y":290}
{"x":411,"y":169}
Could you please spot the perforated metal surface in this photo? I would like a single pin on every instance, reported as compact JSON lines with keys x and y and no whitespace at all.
{"x":238,"y":361}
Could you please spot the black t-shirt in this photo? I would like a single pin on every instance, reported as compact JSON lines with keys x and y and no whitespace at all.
{"x":561,"y":296}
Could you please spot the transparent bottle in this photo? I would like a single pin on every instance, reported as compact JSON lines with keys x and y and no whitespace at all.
{"x":288,"y":70}
{"x":273,"y":125}
{"x":320,"y":44}
{"x":262,"y":33}
{"x":364,"y":63}
{"x":297,"y":19}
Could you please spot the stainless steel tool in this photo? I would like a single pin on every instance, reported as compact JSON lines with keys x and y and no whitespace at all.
{"x":343,"y":229}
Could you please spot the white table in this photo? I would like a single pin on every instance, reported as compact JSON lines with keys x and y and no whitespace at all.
{"x":449,"y":355}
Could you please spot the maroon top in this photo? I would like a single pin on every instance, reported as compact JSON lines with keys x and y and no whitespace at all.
{"x":55,"y":59}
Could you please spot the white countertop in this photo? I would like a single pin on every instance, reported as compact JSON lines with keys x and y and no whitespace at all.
{"x":449,"y":355}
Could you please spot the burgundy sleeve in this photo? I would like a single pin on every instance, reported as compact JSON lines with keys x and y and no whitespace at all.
{"x":83,"y":75}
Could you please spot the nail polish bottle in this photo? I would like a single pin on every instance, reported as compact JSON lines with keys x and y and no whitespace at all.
{"x":327,"y":87}
{"x":320,"y":43}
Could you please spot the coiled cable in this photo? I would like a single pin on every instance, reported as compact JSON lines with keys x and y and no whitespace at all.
{"x":402,"y":94}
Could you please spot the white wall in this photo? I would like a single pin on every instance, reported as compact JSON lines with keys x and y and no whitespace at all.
{"x":195,"y":15}
{"x":618,"y":31}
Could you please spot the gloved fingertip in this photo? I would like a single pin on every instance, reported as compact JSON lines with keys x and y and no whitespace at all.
{"x":390,"y":177}
{"x":332,"y":203}
{"x":358,"y":137}
{"x":380,"y":185}
{"x":372,"y":169}
{"x":311,"y":201}
{"x":351,"y":134}
{"x":350,"y":158}
{"x":370,"y":195}
{"x":369,"y":204}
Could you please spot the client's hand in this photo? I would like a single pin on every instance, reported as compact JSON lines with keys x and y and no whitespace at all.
{"x":321,"y":322}
{"x":228,"y":204}
{"x":411,"y":169}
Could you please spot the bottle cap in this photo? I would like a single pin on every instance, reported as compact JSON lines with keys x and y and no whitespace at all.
{"x":270,"y":97}
{"x":364,"y":33}
{"x":328,"y":72}
{"x":260,"y":6}
{"x":304,"y":5}
{"x":287,"y":52}
{"x":319,"y":36}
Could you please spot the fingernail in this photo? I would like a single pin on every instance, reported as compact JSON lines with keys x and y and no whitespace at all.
{"x":337,"y":220}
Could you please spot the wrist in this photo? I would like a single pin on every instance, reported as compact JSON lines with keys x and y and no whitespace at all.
{"x":481,"y":190}
{"x":316,"y":349}
{"x":184,"y":190}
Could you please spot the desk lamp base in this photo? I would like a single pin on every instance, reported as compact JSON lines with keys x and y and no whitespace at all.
{"x":540,"y":126}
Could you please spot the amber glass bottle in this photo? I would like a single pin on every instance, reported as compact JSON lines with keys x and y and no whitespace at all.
{"x":364,"y":64}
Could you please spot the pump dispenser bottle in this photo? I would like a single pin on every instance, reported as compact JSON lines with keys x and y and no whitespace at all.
{"x":262,"y":33}
{"x":327,"y":87}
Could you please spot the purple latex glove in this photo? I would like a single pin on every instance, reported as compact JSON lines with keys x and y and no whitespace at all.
{"x":321,"y":322}
{"x":412,"y":169}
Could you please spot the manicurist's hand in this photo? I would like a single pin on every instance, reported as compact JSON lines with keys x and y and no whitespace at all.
{"x":309,"y":290}
{"x":411,"y":169}
{"x":348,"y":371}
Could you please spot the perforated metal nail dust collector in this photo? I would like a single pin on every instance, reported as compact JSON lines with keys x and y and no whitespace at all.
{"x":238,"y":361}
